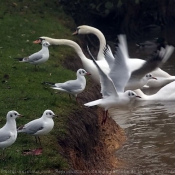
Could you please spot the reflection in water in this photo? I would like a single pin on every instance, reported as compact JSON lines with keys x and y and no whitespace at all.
{"x":150,"y":131}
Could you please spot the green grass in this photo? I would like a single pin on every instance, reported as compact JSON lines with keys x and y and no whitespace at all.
{"x":22,"y":22}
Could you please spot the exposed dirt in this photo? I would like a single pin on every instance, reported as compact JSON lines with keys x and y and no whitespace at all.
{"x":89,"y":146}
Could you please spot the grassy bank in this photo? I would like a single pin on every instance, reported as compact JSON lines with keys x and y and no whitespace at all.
{"x":21,"y":22}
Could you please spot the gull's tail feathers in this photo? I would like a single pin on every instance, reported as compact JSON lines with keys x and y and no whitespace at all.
{"x":49,"y":83}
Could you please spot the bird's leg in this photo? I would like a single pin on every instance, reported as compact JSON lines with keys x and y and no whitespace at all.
{"x":77,"y":99}
{"x":39,"y":140}
{"x":3,"y":154}
{"x":105,"y":116}
{"x":70,"y":96}
{"x":36,"y":139}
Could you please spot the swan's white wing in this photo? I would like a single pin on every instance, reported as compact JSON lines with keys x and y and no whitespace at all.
{"x":156,"y":60}
{"x":120,"y":72}
{"x":107,"y":85}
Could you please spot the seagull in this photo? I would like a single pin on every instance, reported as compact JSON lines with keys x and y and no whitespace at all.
{"x":72,"y":86}
{"x":140,"y":76}
{"x":8,"y":133}
{"x":40,"y":126}
{"x":38,"y":57}
{"x":113,"y":84}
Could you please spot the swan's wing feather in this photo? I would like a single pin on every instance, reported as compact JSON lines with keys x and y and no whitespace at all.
{"x":107,"y":85}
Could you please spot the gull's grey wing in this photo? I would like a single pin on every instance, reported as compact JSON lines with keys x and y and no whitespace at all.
{"x":155,"y":60}
{"x":70,"y":86}
{"x":35,"y":57}
{"x":4,"y":137}
{"x":33,"y":127}
{"x":107,"y":85}
{"x":120,"y":72}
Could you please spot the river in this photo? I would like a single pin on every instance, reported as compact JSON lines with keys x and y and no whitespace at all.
{"x":150,"y":130}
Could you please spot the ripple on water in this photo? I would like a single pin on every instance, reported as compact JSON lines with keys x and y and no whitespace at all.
{"x":151,"y":133}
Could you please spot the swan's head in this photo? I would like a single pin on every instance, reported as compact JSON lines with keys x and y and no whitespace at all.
{"x":131,"y":94}
{"x":82,"y":72}
{"x":149,"y":76}
{"x":13,"y":115}
{"x":83,"y":30}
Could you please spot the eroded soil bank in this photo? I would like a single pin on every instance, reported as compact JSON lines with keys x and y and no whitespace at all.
{"x":88,"y":145}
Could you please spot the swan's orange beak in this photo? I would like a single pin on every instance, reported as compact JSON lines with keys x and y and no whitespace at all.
{"x":75,"y":33}
{"x":38,"y":41}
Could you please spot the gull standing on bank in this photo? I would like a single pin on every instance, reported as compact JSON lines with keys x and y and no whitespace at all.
{"x":38,"y":57}
{"x":73,"y":87}
{"x":8,"y":133}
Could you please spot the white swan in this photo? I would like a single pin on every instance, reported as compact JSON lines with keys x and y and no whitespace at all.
{"x":134,"y":63}
{"x":87,"y":63}
{"x":84,"y":29}
{"x":166,"y":93}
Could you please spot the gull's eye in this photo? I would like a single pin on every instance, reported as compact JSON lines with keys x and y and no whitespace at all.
{"x":83,"y":71}
{"x":129,"y":93}
{"x":15,"y":113}
{"x":133,"y":94}
{"x":146,"y":75}
{"x":149,"y":75}
{"x":11,"y":115}
{"x":50,"y":113}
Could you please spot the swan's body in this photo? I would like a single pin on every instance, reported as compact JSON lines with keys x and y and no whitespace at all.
{"x":166,"y":93}
{"x":87,"y":63}
{"x":136,"y":63}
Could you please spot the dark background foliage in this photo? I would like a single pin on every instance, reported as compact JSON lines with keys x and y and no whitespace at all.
{"x":132,"y":17}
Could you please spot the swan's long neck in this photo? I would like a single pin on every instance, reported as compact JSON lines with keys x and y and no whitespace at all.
{"x":70,"y":43}
{"x":102,"y":41}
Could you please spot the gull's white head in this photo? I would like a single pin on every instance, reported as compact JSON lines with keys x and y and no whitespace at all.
{"x":49,"y":114}
{"x":12,"y":115}
{"x":149,"y":76}
{"x":45,"y":43}
{"x":131,"y":94}
{"x":82,"y":72}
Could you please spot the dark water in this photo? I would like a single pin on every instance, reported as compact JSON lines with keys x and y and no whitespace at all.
{"x":150,"y":130}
